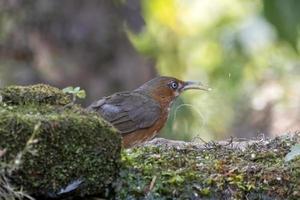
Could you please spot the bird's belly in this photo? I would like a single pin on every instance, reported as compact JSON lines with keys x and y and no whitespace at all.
{"x":141,"y":135}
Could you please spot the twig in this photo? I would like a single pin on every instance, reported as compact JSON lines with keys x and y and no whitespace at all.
{"x":149,"y":189}
{"x":230,"y":141}
{"x":152,"y":183}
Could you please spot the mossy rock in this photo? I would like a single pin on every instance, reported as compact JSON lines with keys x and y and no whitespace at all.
{"x":36,"y":94}
{"x":58,"y":145}
{"x":256,"y":170}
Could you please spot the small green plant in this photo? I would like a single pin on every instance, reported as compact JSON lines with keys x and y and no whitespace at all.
{"x":294,"y":152}
{"x":75,"y":92}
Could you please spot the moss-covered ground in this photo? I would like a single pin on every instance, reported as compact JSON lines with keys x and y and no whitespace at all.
{"x":211,"y":171}
{"x":50,"y":146}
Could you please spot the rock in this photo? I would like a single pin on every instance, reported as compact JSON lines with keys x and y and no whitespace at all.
{"x":234,"y":169}
{"x":34,"y":94}
{"x":53,"y":149}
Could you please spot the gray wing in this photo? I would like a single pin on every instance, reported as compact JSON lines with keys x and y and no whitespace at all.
{"x":128,"y":111}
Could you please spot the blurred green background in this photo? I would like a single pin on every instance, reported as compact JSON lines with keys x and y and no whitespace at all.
{"x":247,"y":51}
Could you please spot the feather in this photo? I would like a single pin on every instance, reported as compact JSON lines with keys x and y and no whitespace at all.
{"x":128,"y":111}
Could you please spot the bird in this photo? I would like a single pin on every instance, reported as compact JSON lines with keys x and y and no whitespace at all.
{"x":140,"y":114}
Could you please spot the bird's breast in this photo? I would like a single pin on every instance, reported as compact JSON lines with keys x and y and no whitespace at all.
{"x":141,"y":135}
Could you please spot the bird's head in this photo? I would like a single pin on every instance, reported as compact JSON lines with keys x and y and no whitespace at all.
{"x":166,"y":89}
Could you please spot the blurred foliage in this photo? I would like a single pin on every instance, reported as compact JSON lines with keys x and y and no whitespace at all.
{"x":285,"y":16}
{"x":75,"y":42}
{"x":229,"y":45}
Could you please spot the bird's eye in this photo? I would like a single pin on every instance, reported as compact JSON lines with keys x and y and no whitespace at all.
{"x":174,"y":85}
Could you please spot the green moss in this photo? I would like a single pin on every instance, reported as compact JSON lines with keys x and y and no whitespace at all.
{"x":60,"y":144}
{"x":37,"y":94}
{"x":57,"y":145}
{"x":211,"y":172}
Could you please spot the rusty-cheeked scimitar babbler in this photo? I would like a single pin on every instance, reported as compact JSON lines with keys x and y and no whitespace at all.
{"x":140,"y":114}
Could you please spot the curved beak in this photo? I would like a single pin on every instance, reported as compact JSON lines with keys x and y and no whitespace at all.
{"x":188,"y":85}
